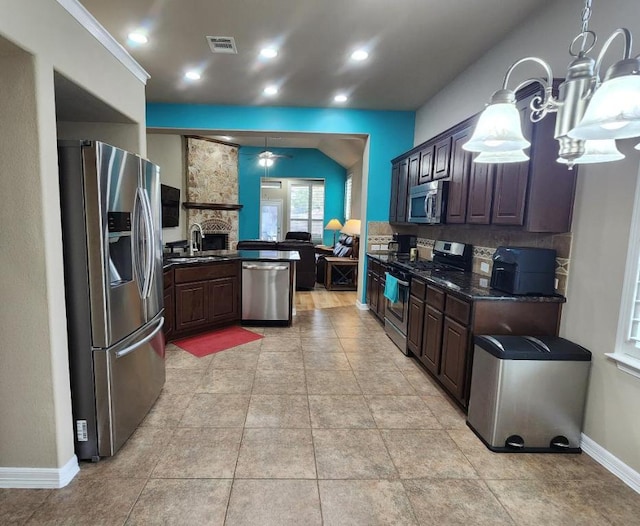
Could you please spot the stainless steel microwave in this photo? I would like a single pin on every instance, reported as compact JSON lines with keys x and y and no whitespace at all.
{"x":428,"y":203}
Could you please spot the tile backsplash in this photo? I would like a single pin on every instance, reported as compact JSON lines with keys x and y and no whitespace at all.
{"x":485,"y":240}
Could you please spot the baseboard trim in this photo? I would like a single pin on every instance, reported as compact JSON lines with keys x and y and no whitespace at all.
{"x":625,"y":473}
{"x":361,"y":306}
{"x":39,"y":478}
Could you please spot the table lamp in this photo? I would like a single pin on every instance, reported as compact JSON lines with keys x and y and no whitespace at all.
{"x":352,"y":228}
{"x":334,"y":225}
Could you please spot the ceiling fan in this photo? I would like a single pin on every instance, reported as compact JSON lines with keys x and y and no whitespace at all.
{"x":267,"y":158}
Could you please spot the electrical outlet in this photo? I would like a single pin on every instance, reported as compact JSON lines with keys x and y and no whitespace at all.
{"x":555,"y":283}
{"x":375,"y":247}
{"x":484,"y":282}
{"x":484,"y":267}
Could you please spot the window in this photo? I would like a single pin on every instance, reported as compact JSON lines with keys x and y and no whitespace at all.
{"x":306,"y":208}
{"x":627,"y":351}
{"x":347,"y":197}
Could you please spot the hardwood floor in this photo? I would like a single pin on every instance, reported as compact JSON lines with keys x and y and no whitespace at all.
{"x":320,"y":298}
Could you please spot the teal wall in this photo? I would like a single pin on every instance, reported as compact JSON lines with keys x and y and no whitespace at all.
{"x":304,"y":163}
{"x":390,"y":133}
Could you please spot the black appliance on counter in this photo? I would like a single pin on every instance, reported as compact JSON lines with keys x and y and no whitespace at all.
{"x":447,"y":256}
{"x":403,"y":243}
{"x":524,"y":270}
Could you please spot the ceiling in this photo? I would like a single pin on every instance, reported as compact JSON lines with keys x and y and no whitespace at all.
{"x":416,"y":47}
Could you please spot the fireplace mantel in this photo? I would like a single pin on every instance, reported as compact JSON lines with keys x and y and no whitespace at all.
{"x":211,"y":206}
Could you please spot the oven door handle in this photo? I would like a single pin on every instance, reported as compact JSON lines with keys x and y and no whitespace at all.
{"x":400,"y":282}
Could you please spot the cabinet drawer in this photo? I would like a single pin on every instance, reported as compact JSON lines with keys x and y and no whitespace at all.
{"x":435,"y":297}
{"x":168,"y":278}
{"x":205,"y":272}
{"x":458,"y":309}
{"x":375,"y":266}
{"x":418,"y":289}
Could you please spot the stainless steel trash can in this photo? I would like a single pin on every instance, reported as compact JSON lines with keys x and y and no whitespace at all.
{"x":528,"y":393}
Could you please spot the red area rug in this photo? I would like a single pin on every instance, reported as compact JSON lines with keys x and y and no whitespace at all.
{"x":214,"y":341}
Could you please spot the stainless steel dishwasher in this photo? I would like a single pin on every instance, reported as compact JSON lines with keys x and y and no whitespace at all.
{"x":266,"y":294}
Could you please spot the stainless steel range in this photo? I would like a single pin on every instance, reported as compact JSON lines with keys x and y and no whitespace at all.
{"x":447,"y":256}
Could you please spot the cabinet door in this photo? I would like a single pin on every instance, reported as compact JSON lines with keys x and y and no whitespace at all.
{"x":414,"y":167}
{"x":223,"y":299}
{"x":414,"y":331}
{"x":393,"y":203}
{"x":511,"y":180}
{"x":375,"y":285}
{"x":441,"y":158}
{"x":425,"y":173}
{"x":459,"y":177}
{"x":403,"y":181}
{"x":455,"y":347}
{"x":382,"y":302}
{"x":169,"y":313}
{"x":432,"y":339}
{"x":369,"y":285}
{"x":192,"y":305}
{"x":480,"y":193}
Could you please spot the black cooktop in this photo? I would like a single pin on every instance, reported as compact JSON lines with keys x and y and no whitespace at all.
{"x":423,"y":264}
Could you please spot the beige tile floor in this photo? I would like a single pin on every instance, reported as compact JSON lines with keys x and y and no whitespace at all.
{"x":325,"y":422}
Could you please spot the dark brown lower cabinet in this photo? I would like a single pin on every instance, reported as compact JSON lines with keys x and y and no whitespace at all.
{"x":376,"y":280}
{"x":450,"y":321}
{"x":204,"y":296}
{"x":432,"y":339}
{"x":414,"y":332}
{"x":169,"y":307}
{"x":455,"y":346}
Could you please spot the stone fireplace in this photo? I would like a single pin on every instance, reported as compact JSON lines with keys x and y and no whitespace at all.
{"x":216,"y":234}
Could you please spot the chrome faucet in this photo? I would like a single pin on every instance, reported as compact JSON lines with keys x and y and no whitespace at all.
{"x":193,"y":247}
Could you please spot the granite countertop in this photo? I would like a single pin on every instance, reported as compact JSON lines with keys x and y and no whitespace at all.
{"x":467,"y":285}
{"x":206,"y":257}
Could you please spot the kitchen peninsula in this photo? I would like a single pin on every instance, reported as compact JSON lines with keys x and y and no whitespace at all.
{"x":204,"y":291}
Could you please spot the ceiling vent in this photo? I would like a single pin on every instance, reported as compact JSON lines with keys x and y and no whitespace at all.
{"x":222,"y":45}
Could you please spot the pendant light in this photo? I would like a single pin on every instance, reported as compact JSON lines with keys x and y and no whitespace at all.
{"x":597,"y":151}
{"x":515,"y":156}
{"x":587,"y":108}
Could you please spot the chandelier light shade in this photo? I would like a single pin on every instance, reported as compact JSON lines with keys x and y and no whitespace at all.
{"x":614,"y":110}
{"x":600,"y":151}
{"x":265,"y":162}
{"x":587,"y":108}
{"x":515,"y":156}
{"x":499,"y":128}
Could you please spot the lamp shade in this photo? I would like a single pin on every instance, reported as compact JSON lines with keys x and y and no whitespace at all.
{"x":334,"y":224}
{"x":515,"y":156}
{"x":351,"y":227}
{"x":602,"y":151}
{"x":613,"y":112}
{"x":498,"y":130}
{"x":637,"y":146}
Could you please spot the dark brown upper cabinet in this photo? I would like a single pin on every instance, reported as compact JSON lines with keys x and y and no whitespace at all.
{"x":426,"y":164}
{"x":393,"y":201}
{"x":459,"y":176}
{"x":399,"y":189}
{"x":480,"y":193}
{"x":441,"y":158}
{"x":414,"y":168}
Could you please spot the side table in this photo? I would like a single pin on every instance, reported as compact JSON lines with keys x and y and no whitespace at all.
{"x":341,"y":273}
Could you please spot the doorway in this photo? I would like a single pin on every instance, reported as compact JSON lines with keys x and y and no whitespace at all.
{"x":270,"y":219}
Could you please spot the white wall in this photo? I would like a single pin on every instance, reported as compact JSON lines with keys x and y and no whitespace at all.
{"x":356,"y":189}
{"x":35,"y":406}
{"x":602,"y":213}
{"x":168,"y":151}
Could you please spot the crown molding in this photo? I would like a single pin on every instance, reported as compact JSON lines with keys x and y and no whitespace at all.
{"x":97,"y":30}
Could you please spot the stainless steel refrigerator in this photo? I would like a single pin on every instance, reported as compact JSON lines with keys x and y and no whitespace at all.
{"x":111,"y":227}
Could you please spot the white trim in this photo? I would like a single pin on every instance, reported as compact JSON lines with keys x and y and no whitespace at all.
{"x":39,"y":478}
{"x":97,"y":30}
{"x":625,"y":473}
{"x":626,"y":363}
{"x":361,"y":306}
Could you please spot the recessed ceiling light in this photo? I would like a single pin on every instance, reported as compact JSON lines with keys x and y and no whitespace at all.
{"x":340,"y":98}
{"x":138,"y":37}
{"x":271,"y":90}
{"x":192,"y":75}
{"x":359,"y":54}
{"x":269,"y":52}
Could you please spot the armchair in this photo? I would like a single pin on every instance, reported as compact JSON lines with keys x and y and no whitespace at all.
{"x":346,"y":247}
{"x":299,"y":236}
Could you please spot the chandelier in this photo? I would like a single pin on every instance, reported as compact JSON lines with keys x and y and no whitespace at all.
{"x":592,"y":113}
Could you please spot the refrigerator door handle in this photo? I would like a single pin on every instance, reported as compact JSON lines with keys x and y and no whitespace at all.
{"x":136,"y":241}
{"x":148,"y":225}
{"x":144,"y":340}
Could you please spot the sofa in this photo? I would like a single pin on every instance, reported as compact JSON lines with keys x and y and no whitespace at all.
{"x":305,"y":268}
{"x":345,"y":247}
